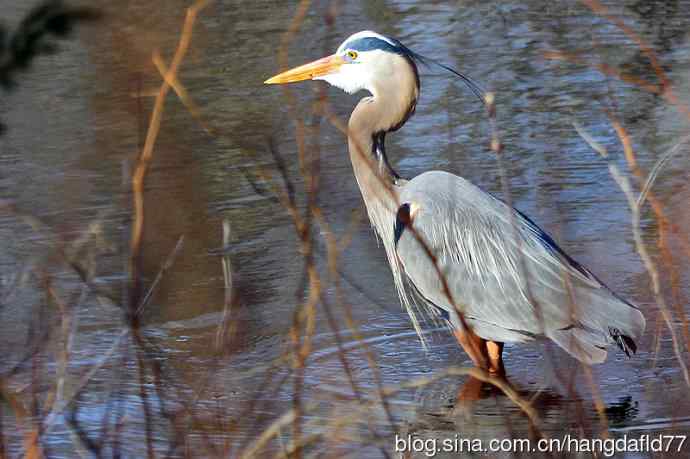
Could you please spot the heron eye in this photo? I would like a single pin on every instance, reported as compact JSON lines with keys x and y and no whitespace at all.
{"x":352,"y":54}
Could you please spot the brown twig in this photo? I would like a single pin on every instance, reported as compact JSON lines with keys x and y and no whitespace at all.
{"x":146,"y":155}
{"x":649,"y":264}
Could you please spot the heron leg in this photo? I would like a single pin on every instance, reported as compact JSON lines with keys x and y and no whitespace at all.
{"x":474,"y":346}
{"x":486,"y":355}
{"x":494,"y":352}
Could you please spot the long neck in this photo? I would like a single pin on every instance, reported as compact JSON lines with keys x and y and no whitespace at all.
{"x":386,"y":110}
{"x":366,"y":141}
{"x":375,"y":177}
{"x":380,"y":185}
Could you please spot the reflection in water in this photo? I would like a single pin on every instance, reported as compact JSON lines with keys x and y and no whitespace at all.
{"x":79,"y":118}
{"x":494,"y":417}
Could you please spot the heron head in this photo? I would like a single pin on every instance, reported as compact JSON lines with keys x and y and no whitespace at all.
{"x":366,"y":60}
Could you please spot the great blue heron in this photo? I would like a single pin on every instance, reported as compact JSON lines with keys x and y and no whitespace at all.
{"x":485,"y":267}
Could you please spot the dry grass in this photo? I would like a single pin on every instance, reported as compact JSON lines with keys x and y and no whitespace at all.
{"x":36,"y":408}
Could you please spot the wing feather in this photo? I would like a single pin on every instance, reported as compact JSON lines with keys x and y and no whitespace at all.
{"x":506,"y":275}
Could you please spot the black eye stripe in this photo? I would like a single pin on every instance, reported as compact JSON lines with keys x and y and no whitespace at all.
{"x":373,"y":43}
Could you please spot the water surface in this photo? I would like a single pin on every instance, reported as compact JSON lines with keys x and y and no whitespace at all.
{"x":78,"y":120}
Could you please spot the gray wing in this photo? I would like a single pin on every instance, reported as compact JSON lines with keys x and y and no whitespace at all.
{"x":508,"y":278}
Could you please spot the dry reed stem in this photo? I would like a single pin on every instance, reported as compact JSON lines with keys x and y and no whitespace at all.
{"x":58,"y":408}
{"x":303,"y":328}
{"x":606,"y":69}
{"x":69,"y":321}
{"x":332,"y":254}
{"x":138,"y":179}
{"x":57,"y":399}
{"x":332,"y":263}
{"x":302,"y":227}
{"x":351,"y":418}
{"x":227,"y":328}
{"x":387,"y":188}
{"x":301,"y":131}
{"x":665,"y":85}
{"x":181,"y":91}
{"x":665,"y":225}
{"x":664,"y":88}
{"x":650,"y":266}
{"x":146,"y":155}
{"x":271,"y":431}
{"x":307,"y":312}
{"x":660,"y":164}
{"x":22,"y":415}
{"x":167,"y":264}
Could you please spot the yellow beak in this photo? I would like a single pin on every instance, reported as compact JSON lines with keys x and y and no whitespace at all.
{"x":321,"y":67}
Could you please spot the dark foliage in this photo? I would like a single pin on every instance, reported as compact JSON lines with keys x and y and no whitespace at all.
{"x":32,"y":38}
